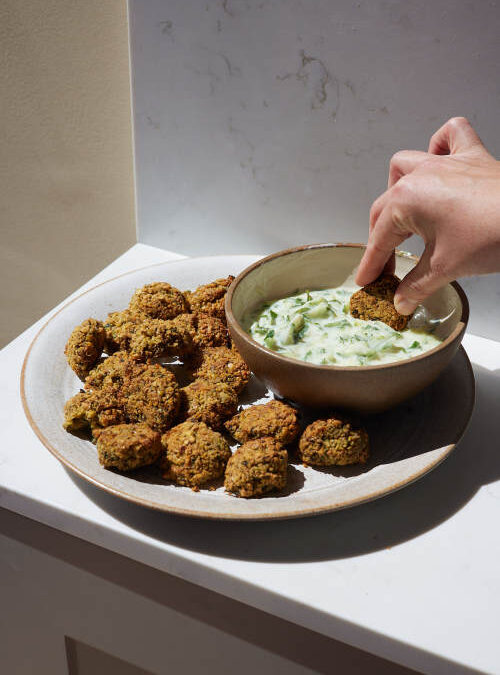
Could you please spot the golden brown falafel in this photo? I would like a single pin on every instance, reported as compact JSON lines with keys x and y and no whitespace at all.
{"x":194,"y":454}
{"x":209,"y":298}
{"x":274,"y":419}
{"x":105,"y":409}
{"x":376,"y":302}
{"x":111,"y":371}
{"x":209,"y":402}
{"x":256,"y":468}
{"x":151,"y":395}
{"x":94,"y":410}
{"x":75,"y":412}
{"x":120,"y":327}
{"x":333,"y":441}
{"x":85,"y":346}
{"x":120,"y":390}
{"x":211,"y":332}
{"x":186,"y":323}
{"x":158,"y":300}
{"x":221,"y":364}
{"x":159,"y":337}
{"x":128,"y":446}
{"x":205,"y":331}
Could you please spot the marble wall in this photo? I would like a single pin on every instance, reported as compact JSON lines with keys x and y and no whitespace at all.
{"x":261,"y":124}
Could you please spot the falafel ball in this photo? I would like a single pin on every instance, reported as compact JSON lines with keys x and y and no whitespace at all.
{"x":120,"y":390}
{"x":85,"y":346}
{"x":111,"y":371}
{"x":151,"y":395}
{"x":205,"y":331}
{"x":333,"y":441}
{"x":274,"y":419}
{"x":209,"y":298}
{"x":120,"y":327}
{"x":211,"y":332}
{"x":209,"y":402}
{"x":128,"y":446}
{"x":157,"y":337}
{"x":221,"y":364}
{"x":194,"y":454}
{"x":105,"y":408}
{"x":376,"y":302}
{"x":96,"y":409}
{"x":75,"y":412}
{"x":158,"y":300}
{"x":256,"y":468}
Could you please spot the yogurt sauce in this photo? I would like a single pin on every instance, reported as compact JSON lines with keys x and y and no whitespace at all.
{"x":316,"y":326}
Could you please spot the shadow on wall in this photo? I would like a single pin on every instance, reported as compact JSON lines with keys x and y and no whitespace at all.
{"x":357,"y":531}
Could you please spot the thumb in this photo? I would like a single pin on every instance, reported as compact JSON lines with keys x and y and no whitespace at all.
{"x":455,"y":136}
{"x":423,"y":280}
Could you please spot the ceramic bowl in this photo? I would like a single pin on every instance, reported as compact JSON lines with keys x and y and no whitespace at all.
{"x":363,"y":389}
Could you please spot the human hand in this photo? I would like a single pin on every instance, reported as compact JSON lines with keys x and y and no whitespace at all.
{"x":449,"y":196}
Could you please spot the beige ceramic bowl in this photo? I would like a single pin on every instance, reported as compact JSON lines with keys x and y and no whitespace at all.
{"x":360,"y":388}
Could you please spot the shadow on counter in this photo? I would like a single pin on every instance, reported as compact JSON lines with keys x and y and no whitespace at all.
{"x":360,"y":530}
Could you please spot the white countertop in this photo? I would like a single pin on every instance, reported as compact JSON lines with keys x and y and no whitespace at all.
{"x":413,"y":577}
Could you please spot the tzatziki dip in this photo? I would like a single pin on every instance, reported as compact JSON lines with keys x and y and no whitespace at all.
{"x":317,"y":327}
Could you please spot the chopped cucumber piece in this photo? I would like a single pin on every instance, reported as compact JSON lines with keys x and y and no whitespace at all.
{"x":286,"y":336}
{"x":318,"y":310}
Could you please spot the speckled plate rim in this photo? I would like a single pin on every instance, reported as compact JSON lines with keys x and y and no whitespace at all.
{"x":294,"y":512}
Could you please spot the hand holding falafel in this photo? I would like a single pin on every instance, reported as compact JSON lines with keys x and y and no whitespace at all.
{"x":449,"y":196}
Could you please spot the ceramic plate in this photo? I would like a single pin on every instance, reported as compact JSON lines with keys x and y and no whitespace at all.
{"x":406,"y":442}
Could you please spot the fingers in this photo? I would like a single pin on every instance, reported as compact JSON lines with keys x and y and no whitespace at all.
{"x":404,"y":162}
{"x":456,"y":135}
{"x":375,"y":211}
{"x":389,"y":231}
{"x":419,"y":284}
{"x":377,"y":208}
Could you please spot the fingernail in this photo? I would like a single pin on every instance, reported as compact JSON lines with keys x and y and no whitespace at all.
{"x":402,"y":305}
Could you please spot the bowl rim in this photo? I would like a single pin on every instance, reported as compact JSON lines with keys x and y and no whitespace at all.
{"x":236,"y":326}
